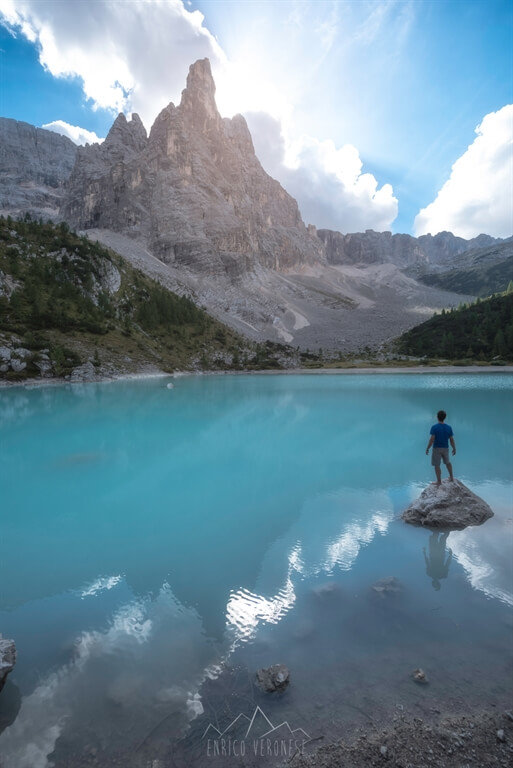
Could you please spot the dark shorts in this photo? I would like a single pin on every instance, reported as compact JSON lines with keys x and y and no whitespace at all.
{"x":439,"y":454}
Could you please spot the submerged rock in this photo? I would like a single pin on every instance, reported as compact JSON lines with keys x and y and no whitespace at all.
{"x":419,"y":676}
{"x":450,"y":505}
{"x":7,"y":659}
{"x":388,"y":586}
{"x":275,"y":678}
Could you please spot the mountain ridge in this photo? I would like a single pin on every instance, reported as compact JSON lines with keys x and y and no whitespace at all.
{"x":190,"y":204}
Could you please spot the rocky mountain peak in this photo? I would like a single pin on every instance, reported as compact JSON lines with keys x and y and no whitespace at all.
{"x":199,"y":93}
{"x":194,"y":191}
{"x":130,"y":134}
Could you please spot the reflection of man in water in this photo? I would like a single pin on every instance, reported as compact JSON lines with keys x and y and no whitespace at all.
{"x":437,"y":567}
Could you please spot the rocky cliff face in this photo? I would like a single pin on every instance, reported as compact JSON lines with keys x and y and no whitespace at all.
{"x":34,"y":166}
{"x":193,"y":189}
{"x":425,"y":252}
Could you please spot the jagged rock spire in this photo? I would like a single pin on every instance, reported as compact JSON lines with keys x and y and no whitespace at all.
{"x":199,"y":94}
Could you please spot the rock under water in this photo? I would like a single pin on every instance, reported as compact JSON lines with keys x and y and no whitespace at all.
{"x":275,"y":678}
{"x":7,"y":659}
{"x":451,"y":505}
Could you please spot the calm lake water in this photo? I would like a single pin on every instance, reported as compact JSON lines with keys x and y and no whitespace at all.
{"x":158,"y":546}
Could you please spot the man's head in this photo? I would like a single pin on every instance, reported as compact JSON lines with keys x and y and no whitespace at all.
{"x":441,"y":415}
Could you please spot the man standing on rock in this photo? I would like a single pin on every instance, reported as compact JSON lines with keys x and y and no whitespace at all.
{"x":441,"y":433}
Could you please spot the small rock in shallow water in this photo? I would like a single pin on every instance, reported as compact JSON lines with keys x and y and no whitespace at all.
{"x":275,"y":678}
{"x":419,"y":676}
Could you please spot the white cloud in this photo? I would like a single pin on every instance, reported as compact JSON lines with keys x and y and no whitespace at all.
{"x":134,"y":57}
{"x":478,"y":196}
{"x":74,"y":132}
{"x":328,"y":183}
{"x":131,"y":57}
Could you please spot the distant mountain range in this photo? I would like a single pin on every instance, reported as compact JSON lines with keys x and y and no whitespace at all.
{"x":191,"y":205}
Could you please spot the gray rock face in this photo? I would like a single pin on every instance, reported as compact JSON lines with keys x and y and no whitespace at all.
{"x":34,"y":166}
{"x":451,"y":506}
{"x":193,"y":190}
{"x":275,"y":678}
{"x":7,"y":659}
{"x":423,"y":252}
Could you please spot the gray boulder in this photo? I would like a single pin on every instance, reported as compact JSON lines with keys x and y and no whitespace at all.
{"x":275,"y":678}
{"x":18,"y":365}
{"x":7,"y":659}
{"x":450,"y":506}
{"x":84,"y":372}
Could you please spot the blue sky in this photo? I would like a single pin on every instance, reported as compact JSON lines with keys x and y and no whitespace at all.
{"x":404,"y":84}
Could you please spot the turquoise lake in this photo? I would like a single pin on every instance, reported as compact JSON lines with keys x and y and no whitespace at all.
{"x":158,"y":546}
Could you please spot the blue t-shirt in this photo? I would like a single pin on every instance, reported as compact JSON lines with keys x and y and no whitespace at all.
{"x":442,"y":433}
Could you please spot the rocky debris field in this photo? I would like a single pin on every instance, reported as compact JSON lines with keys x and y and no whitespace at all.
{"x":483,"y":740}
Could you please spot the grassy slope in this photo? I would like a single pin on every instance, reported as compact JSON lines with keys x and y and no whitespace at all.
{"x":481,"y":331}
{"x":54,"y":296}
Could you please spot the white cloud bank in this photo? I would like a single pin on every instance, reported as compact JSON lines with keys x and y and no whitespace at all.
{"x":328,"y":183}
{"x":134,"y":57}
{"x":478,"y":196}
{"x":74,"y":132}
{"x":131,"y":57}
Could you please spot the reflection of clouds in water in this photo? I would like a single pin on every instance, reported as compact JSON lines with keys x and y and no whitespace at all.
{"x":485,"y":551}
{"x":321,"y":544}
{"x":344,"y":550}
{"x":148,"y":662}
{"x":246,"y":610}
{"x":102,"y":584}
{"x":333,"y":528}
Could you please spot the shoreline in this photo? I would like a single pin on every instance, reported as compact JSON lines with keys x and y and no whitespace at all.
{"x":481,"y":738}
{"x":354,"y":371}
{"x":369,"y":370}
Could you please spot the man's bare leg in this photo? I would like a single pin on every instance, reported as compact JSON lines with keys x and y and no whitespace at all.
{"x":438,"y":473}
{"x":449,"y":469}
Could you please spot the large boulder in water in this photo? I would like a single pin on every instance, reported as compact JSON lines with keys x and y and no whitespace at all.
{"x":7,"y":659}
{"x":451,"y":506}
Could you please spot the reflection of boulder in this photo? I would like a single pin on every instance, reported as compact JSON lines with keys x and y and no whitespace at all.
{"x":7,"y":659}
{"x":451,"y":505}
{"x":10,"y":703}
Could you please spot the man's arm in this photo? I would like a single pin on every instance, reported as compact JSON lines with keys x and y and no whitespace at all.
{"x":431,"y":441}
{"x":453,"y":445}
